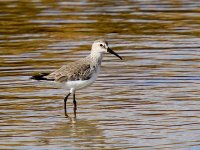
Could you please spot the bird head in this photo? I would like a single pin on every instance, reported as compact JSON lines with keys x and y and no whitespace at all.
{"x":101,"y":46}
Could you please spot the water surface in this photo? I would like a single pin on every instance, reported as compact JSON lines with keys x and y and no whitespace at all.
{"x":150,"y":100}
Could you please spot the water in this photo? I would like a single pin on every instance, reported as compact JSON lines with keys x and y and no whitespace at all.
{"x":150,"y":100}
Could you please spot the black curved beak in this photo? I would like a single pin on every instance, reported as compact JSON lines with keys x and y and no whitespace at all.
{"x":112,"y":52}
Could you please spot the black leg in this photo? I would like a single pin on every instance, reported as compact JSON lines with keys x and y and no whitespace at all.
{"x":65,"y":101}
{"x":74,"y":101}
{"x":75,"y":106}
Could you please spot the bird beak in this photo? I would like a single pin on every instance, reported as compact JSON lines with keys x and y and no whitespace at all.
{"x":112,"y":52}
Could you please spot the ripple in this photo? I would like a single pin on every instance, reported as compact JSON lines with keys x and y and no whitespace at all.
{"x":150,"y":100}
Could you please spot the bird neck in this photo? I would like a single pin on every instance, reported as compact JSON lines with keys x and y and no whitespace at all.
{"x":96,"y":57}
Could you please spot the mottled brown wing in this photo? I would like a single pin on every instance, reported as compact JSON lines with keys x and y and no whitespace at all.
{"x":73,"y":71}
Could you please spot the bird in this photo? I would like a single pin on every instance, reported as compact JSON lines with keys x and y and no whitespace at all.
{"x":78,"y":74}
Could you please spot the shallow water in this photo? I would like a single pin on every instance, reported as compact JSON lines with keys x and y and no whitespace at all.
{"x":150,"y":100}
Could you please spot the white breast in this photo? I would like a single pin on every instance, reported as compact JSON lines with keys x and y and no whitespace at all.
{"x":79,"y":84}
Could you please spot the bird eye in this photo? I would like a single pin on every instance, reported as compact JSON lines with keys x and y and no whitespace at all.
{"x":101,"y":45}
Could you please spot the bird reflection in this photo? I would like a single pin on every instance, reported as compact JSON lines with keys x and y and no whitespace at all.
{"x":69,"y":117}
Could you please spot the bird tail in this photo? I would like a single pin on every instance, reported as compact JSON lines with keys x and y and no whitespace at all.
{"x":40,"y":76}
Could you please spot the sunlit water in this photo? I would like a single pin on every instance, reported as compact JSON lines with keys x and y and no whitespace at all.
{"x":150,"y":100}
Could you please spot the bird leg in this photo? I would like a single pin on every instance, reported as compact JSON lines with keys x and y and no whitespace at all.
{"x":65,"y":101}
{"x":75,"y":106}
{"x":74,"y":101}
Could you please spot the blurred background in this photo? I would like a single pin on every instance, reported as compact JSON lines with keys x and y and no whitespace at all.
{"x":150,"y":100}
